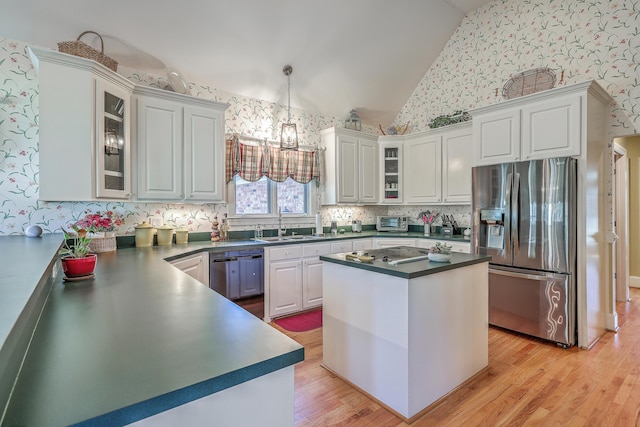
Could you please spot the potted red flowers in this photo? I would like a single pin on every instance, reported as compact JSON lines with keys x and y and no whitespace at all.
{"x":77,"y":262}
{"x":101,"y":225}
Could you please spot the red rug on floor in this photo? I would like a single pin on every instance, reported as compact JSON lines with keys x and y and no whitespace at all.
{"x":301,"y":322}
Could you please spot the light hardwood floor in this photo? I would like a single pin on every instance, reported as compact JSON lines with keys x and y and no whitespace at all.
{"x":529,"y":382}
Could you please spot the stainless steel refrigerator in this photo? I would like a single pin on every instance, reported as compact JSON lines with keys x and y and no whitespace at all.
{"x":524,"y":217}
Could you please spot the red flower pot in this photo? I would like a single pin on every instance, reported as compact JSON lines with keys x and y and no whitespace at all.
{"x":77,"y":267}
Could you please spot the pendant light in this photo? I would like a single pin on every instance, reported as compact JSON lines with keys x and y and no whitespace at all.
{"x":289,"y":134}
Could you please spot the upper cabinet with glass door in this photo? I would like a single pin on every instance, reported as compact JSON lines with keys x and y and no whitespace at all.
{"x":84,"y":129}
{"x":390,"y":149}
{"x":114,"y":147}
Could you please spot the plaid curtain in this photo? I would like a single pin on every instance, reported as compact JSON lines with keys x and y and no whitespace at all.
{"x":252,"y":162}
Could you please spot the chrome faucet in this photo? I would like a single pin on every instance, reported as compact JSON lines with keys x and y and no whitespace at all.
{"x":281,"y":231}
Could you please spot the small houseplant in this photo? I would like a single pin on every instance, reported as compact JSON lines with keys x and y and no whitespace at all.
{"x":440,"y":252}
{"x":77,"y":261}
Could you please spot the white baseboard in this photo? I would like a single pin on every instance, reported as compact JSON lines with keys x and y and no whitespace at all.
{"x":634,"y":281}
{"x":612,"y":322}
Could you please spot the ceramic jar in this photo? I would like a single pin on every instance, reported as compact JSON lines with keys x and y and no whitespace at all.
{"x":182,"y":236}
{"x":165,"y":235}
{"x":144,"y":235}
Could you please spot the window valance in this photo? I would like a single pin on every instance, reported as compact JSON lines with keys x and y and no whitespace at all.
{"x":252,"y":161}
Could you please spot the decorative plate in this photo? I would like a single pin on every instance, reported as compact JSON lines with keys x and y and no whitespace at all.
{"x":528,"y":82}
{"x":177,"y":81}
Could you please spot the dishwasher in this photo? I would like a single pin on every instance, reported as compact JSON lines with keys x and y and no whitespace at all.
{"x":237,"y":274}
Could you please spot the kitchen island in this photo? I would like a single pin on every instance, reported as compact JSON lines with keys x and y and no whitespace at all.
{"x":406,"y":334}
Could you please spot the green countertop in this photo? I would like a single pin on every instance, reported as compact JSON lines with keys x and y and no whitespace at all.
{"x":140,"y":338}
{"x":409,"y":270}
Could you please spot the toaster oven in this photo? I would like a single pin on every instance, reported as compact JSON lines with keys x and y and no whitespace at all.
{"x":392,"y":223}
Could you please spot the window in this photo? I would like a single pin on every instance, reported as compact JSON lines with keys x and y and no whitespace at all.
{"x":264,"y":197}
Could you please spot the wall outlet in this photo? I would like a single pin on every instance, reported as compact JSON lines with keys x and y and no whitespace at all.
{"x":156,"y":221}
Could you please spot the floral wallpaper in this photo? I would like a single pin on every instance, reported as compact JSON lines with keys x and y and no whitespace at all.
{"x":588,"y":40}
{"x":594,"y":39}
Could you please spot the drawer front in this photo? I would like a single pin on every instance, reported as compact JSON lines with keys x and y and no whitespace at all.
{"x":285,"y":252}
{"x":343,"y":246}
{"x":462,"y":247}
{"x":316,"y":249}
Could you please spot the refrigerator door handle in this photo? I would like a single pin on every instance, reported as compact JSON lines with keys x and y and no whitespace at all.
{"x":507,"y":221}
{"x":531,"y":276}
{"x":515,"y":214}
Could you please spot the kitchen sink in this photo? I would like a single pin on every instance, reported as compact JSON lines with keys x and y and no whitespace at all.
{"x":286,"y":238}
{"x":269,"y":239}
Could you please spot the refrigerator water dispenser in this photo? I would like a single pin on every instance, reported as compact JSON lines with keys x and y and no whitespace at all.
{"x":493,"y":221}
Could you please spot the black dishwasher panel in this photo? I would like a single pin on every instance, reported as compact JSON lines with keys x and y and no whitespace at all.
{"x":237,"y":274}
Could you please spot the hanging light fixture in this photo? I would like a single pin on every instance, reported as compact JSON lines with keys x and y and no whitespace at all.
{"x":288,"y":134}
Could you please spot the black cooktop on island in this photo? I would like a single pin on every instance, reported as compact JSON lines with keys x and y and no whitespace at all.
{"x":396,"y":253}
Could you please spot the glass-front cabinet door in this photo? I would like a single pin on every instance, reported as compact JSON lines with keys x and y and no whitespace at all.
{"x":391,"y":169}
{"x":113,"y":142}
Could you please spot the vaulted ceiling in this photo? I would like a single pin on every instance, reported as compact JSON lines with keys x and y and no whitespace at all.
{"x":363,"y":54}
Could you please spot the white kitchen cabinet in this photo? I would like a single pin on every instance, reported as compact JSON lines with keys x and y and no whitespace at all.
{"x":538,"y":126}
{"x":463,"y":247}
{"x":435,"y":165}
{"x":423,"y":169}
{"x":551,"y":128}
{"x":285,"y":290}
{"x":456,"y":165}
{"x":312,"y":273}
{"x":391,"y":171}
{"x":389,"y":242}
{"x":196,"y":266}
{"x":294,"y":277}
{"x":362,"y":244}
{"x":84,"y":129}
{"x":496,"y":137}
{"x":351,"y":167}
{"x":180,"y":146}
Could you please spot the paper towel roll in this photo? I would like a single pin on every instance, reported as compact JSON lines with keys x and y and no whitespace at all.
{"x":319,"y":230}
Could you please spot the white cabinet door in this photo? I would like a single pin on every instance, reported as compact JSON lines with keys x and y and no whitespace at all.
{"x":285,"y":296}
{"x":456,"y":166}
{"x":390,"y":170}
{"x":159,"y":138}
{"x":113,"y":150}
{"x":368,"y":171}
{"x":196,"y":266}
{"x":422,"y":171}
{"x":348,"y":173}
{"x":204,"y":153}
{"x":551,"y":128}
{"x":496,"y":137}
{"x":311,"y":282}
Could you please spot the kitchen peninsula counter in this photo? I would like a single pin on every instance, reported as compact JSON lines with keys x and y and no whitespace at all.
{"x":139,"y":339}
